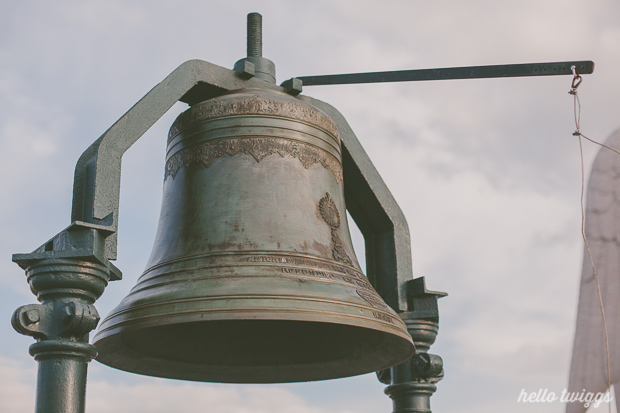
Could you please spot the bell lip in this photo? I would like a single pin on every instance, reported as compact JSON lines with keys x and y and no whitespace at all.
{"x":134,"y":314}
{"x":397,"y":347}
{"x":398,"y":328}
{"x":330,"y":305}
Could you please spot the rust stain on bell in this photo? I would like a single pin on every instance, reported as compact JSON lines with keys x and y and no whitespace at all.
{"x":253,"y":277}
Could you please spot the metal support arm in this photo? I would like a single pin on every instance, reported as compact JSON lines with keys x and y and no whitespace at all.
{"x":389,"y":269}
{"x":96,"y":185}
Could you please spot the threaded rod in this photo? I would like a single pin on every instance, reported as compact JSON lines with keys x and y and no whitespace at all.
{"x":255,"y":35}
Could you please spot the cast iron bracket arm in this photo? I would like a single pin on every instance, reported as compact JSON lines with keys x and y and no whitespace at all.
{"x":96,"y":188}
{"x":376,"y":213}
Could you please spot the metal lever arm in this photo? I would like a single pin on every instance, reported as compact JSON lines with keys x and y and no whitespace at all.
{"x":470,"y":72}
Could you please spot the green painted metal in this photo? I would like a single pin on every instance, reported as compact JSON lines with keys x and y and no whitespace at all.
{"x":412,"y":383}
{"x":67,"y":281}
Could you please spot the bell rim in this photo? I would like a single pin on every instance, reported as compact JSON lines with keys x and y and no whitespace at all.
{"x":397,"y":326}
{"x":397,"y":347}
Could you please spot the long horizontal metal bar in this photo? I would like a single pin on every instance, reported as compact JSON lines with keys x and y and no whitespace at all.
{"x":470,"y":72}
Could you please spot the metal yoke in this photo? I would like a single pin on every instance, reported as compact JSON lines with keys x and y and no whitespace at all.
{"x":70,"y":271}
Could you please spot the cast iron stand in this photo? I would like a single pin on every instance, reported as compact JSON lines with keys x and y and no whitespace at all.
{"x":69,"y":272}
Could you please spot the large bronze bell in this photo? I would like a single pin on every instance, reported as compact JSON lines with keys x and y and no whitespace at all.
{"x":253,"y":278}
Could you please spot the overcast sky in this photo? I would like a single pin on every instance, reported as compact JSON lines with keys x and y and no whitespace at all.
{"x":486,"y":171}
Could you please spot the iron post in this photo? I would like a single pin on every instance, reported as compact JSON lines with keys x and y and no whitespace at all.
{"x":68,"y":273}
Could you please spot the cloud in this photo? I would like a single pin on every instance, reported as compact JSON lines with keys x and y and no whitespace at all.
{"x":17,"y":395}
{"x":16,"y":386}
{"x":161,"y":396}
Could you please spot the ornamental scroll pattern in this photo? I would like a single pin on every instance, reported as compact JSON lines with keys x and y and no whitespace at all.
{"x":254,"y":105}
{"x":258,"y":148}
{"x":329,"y":213}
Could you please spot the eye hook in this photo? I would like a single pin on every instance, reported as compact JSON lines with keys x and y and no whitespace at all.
{"x":576,"y":80}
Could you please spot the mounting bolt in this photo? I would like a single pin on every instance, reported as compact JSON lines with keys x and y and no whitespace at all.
{"x":245,"y":69}
{"x":293,"y":86}
{"x":31,"y":317}
{"x":29,"y":320}
{"x":255,"y":35}
{"x":427,"y":365}
{"x":384,"y":376}
{"x":255,"y":65}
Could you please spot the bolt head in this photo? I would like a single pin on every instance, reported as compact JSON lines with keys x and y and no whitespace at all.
{"x":245,"y":69}
{"x":31,"y":316}
{"x":293,"y":86}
